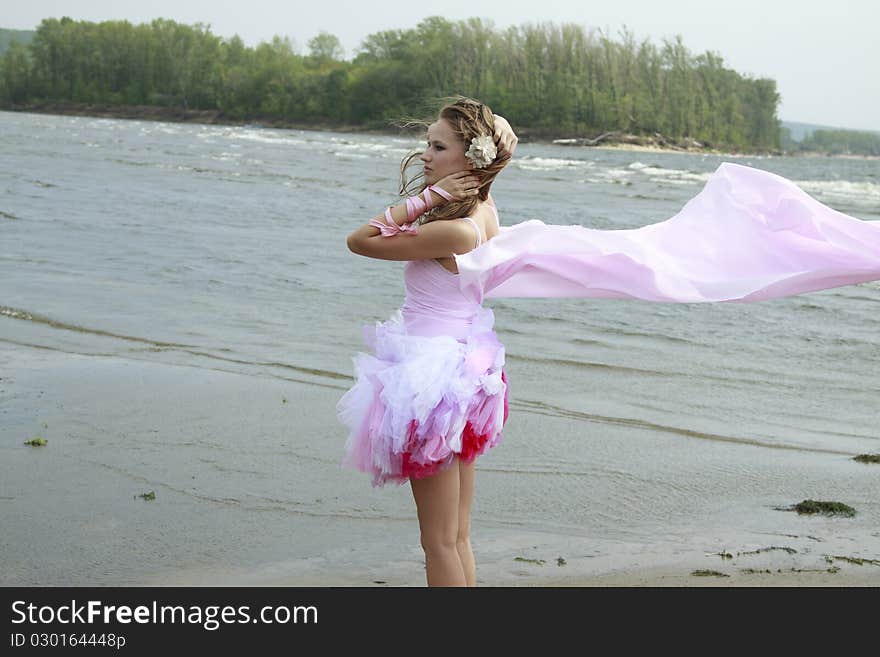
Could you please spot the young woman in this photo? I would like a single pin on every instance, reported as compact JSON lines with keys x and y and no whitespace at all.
{"x":432,"y":395}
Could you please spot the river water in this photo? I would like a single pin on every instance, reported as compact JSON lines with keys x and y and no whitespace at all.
{"x":639,"y":432}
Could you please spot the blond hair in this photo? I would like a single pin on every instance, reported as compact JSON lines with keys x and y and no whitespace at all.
{"x":468,"y":118}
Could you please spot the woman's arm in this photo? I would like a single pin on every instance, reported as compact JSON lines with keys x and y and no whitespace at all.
{"x":437,"y":239}
{"x":505,"y":138}
{"x":434,"y":240}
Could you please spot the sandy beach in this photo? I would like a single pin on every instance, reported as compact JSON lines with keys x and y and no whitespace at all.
{"x":118,"y":427}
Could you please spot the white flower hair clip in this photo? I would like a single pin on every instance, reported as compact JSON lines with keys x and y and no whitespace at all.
{"x":481,"y":152}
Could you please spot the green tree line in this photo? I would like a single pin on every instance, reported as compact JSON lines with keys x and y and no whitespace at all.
{"x":833,"y":142}
{"x":8,"y":36}
{"x":560,"y":80}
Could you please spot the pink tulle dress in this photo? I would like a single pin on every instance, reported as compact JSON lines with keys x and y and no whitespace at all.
{"x":433,"y":386}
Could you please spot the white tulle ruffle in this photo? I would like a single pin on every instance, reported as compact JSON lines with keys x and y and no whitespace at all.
{"x":419,"y":401}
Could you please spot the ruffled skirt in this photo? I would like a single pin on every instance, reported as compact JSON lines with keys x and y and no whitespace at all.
{"x":420,"y":401}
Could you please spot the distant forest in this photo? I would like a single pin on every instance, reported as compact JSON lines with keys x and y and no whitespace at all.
{"x":547,"y":79}
{"x":833,"y":142}
{"x":8,"y":36}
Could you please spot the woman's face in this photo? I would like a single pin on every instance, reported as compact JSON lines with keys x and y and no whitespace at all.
{"x":444,"y":153}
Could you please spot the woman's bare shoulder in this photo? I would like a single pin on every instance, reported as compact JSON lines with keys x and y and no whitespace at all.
{"x":486,"y":216}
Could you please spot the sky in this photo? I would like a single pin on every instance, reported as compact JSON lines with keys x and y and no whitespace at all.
{"x":824,"y":55}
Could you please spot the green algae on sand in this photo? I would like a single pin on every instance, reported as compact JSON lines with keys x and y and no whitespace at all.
{"x":789,"y":550}
{"x":867,"y":458}
{"x":708,"y":573}
{"x":540,"y":562}
{"x":825,"y":508}
{"x":859,"y":561}
{"x":810,"y":507}
{"x":36,"y":442}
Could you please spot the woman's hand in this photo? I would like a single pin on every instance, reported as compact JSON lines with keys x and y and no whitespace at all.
{"x":460,"y":184}
{"x":505,"y":138}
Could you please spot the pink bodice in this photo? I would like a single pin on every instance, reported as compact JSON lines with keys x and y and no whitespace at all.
{"x":434,"y":304}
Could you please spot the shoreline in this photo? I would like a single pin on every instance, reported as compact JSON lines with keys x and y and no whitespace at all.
{"x":216,"y":117}
{"x":256,"y":522}
{"x":607,"y":141}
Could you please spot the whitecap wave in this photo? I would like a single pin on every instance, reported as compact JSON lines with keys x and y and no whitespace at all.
{"x":551,"y":163}
{"x":382,"y":149}
{"x":351,"y":155}
{"x":663,"y":176}
{"x":857,"y":194}
{"x":265,"y":137}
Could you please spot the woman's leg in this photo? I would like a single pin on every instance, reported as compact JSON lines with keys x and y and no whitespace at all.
{"x":465,"y":499}
{"x":437,"y":504}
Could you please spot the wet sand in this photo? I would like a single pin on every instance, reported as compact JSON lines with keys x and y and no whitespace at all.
{"x":248,"y":491}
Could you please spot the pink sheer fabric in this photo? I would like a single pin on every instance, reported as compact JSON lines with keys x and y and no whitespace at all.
{"x":749,"y":235}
